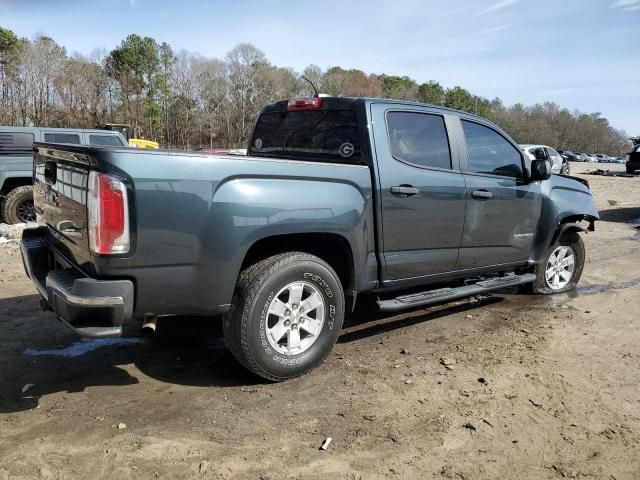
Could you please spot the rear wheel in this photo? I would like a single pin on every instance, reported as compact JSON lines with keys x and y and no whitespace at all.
{"x":565,"y":169}
{"x":286,"y":315}
{"x":630,"y":169}
{"x":18,"y":206}
{"x":562,"y":267}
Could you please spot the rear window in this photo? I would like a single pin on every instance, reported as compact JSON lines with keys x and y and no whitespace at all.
{"x":106,"y":140}
{"x":62,"y":138}
{"x":16,"y":143}
{"x":322,"y":135}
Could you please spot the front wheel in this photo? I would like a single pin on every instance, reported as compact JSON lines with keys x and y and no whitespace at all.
{"x":286,"y":315}
{"x":562,"y":267}
{"x":565,"y":169}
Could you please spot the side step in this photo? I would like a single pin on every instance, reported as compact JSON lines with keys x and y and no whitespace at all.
{"x":441,"y":295}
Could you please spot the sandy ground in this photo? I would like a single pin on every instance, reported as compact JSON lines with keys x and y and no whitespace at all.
{"x":542,"y":387}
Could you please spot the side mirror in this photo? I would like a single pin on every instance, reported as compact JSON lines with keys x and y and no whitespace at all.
{"x":540,"y":169}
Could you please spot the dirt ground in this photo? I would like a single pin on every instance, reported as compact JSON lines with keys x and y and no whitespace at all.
{"x":542,"y":387}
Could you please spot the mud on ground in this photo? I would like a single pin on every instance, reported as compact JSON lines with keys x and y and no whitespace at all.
{"x":541,"y":387}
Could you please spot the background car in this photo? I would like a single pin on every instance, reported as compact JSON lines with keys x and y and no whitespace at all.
{"x":580,"y":157}
{"x":602,"y":158}
{"x":570,"y":156}
{"x":559,"y":165}
{"x":588,"y":157}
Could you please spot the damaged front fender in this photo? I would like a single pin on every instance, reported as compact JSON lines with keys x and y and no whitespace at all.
{"x":565,"y":203}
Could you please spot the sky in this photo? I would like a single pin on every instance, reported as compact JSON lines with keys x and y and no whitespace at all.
{"x":581,"y":54}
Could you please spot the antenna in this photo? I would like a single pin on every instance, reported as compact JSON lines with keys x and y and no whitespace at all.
{"x":312,"y":85}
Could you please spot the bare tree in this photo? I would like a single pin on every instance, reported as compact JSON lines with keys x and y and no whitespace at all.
{"x":187,"y":100}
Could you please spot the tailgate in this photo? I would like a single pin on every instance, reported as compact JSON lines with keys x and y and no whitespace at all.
{"x":60,"y":187}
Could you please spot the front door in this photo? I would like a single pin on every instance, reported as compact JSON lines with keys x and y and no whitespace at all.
{"x":422,"y":193}
{"x":503,"y":208}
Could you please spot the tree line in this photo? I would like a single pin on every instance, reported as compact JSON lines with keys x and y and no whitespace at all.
{"x":186,"y":100}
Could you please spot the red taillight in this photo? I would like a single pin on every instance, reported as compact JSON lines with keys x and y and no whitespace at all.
{"x":108,"y":214}
{"x":304,"y":104}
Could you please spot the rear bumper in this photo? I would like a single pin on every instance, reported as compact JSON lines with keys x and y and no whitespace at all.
{"x":92,"y":308}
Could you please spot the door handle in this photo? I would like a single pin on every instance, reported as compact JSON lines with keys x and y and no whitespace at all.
{"x":482,"y":194}
{"x":404,"y":190}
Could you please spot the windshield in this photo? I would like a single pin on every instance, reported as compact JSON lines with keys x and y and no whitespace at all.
{"x":321,"y":135}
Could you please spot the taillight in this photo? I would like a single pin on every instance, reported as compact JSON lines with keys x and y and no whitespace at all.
{"x":108,"y":214}
{"x":304,"y":104}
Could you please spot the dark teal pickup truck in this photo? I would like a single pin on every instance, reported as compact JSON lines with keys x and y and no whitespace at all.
{"x":336,"y":197}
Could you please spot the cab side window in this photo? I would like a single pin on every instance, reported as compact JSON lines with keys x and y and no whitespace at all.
{"x":73,"y":138}
{"x":490,"y":153}
{"x":106,"y":140}
{"x":16,"y":143}
{"x":419,"y":139}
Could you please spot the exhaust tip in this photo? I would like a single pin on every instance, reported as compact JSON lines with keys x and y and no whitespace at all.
{"x":149,"y":325}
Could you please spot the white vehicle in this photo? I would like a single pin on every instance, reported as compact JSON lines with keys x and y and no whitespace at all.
{"x":559,"y":165}
{"x":589,"y":157}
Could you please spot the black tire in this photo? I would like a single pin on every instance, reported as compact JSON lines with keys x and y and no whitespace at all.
{"x":245,"y":325}
{"x":573,"y":241}
{"x":18,"y":206}
{"x":565,"y":169}
{"x":630,"y":169}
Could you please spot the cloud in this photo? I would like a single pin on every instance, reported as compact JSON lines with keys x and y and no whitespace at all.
{"x":133,"y":3}
{"x":504,"y":4}
{"x":494,"y":29}
{"x":626,"y":5}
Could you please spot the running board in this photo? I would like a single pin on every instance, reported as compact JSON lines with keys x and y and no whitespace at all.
{"x":448,"y":294}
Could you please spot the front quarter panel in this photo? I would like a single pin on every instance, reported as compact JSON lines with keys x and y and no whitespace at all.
{"x":563,"y":200}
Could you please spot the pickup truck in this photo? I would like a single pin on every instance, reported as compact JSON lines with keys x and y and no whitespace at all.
{"x":337,"y":197}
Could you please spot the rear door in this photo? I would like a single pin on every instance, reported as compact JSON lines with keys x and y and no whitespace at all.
{"x":422,"y":192}
{"x":503,"y":208}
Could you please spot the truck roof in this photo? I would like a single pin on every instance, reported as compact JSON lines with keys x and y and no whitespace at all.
{"x":342,"y":102}
{"x":61,"y":130}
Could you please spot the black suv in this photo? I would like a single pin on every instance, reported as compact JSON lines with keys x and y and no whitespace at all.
{"x":633,"y":158}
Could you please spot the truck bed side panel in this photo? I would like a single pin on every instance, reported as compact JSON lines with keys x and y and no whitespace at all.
{"x":196,"y":216}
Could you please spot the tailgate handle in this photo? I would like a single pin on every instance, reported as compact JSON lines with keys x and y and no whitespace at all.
{"x":404,"y":190}
{"x":69,"y":229}
{"x":50,"y":170}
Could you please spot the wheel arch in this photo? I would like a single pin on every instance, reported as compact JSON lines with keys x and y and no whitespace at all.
{"x":567,"y":224}
{"x":11,"y":182}
{"x":333,"y":248}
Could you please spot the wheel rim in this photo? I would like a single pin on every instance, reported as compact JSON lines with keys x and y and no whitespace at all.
{"x":295,"y":318}
{"x":560,"y":267}
{"x":26,"y":212}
